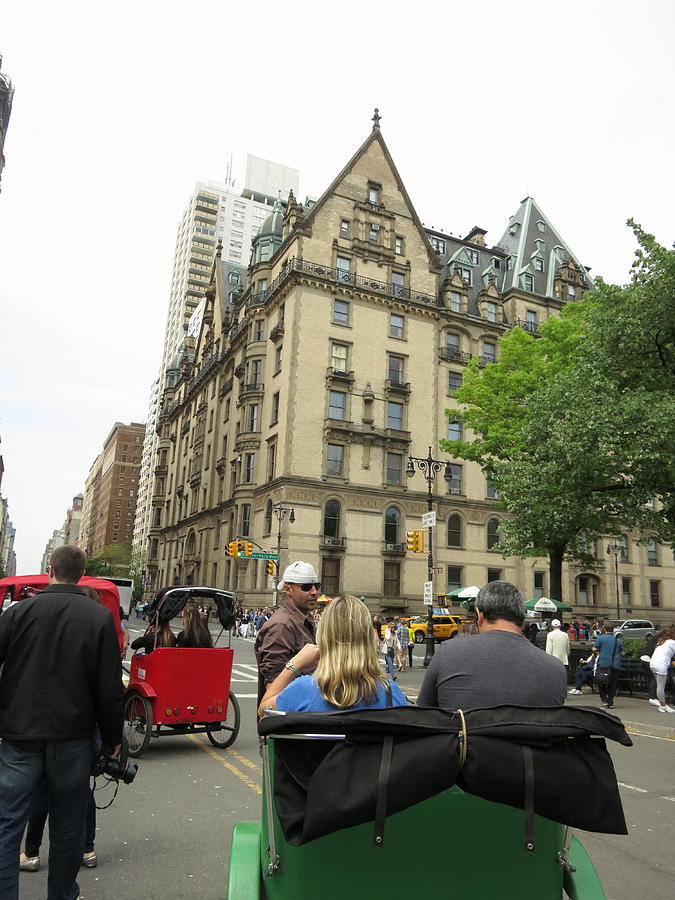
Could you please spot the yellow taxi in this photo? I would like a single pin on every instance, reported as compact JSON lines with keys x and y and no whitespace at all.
{"x":445,"y":627}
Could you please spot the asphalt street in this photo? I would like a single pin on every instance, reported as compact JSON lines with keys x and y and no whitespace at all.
{"x":167,"y":835}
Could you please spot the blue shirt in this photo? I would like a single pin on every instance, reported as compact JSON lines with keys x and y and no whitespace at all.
{"x":302,"y":695}
{"x":606,"y":644}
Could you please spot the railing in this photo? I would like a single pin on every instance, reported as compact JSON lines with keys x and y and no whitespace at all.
{"x":277,"y":331}
{"x":226,"y":387}
{"x":531,"y":327}
{"x":449,"y":353}
{"x":257,"y":299}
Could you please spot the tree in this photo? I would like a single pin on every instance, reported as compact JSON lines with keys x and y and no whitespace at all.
{"x":112,"y":559}
{"x":575,"y":428}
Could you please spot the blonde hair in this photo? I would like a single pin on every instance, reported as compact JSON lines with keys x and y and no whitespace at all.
{"x":348,"y":669}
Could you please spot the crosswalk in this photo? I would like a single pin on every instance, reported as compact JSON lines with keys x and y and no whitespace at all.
{"x":247,"y":674}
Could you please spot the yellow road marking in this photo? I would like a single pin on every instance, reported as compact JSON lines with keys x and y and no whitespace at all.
{"x":243,"y":760}
{"x":666,"y":737}
{"x":228,"y":765}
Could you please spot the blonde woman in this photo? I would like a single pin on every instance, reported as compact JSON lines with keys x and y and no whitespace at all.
{"x":346,"y":668}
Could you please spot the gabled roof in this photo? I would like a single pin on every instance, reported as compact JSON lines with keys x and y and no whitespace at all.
{"x":376,"y":137}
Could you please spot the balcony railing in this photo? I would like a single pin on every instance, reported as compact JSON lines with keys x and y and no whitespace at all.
{"x":451,"y":354}
{"x":526,"y":325}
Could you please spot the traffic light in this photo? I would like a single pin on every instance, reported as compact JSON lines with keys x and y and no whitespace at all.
{"x":240,"y":548}
{"x":271,"y":568}
{"x":248,"y":548}
{"x":233,"y":548}
{"x":415,"y":541}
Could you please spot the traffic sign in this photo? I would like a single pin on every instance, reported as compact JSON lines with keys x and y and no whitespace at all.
{"x":428,"y":593}
{"x":263,"y":556}
{"x":428,"y":519}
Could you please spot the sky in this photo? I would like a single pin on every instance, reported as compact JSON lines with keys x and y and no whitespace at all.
{"x":120,"y":108}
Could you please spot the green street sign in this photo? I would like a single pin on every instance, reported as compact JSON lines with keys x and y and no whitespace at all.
{"x":274,"y":556}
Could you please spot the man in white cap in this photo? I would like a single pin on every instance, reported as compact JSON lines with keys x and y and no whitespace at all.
{"x":290,"y":627}
{"x":558,"y":644}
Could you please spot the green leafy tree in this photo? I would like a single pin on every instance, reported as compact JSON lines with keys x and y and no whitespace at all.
{"x":112,"y":559}
{"x":575,"y":428}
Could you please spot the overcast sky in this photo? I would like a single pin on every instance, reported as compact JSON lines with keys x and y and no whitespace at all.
{"x":120,"y":108}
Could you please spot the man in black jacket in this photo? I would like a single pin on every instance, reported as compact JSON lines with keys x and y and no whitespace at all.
{"x":61,"y":677}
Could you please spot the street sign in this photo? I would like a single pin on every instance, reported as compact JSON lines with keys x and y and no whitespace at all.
{"x":274,"y":556}
{"x":438,"y":570}
{"x":428,"y":519}
{"x":428,"y":593}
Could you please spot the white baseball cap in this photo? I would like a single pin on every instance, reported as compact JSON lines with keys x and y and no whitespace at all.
{"x":299,"y":573}
{"x":555,"y":623}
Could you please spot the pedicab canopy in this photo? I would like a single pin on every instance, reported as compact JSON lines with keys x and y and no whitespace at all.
{"x":169,"y":602}
{"x":519,"y":756}
{"x":10,"y":588}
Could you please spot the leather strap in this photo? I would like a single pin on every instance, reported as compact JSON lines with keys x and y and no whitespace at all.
{"x":382,"y":790}
{"x":528,"y":804}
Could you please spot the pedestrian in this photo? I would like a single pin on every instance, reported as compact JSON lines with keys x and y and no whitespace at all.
{"x":61,"y":677}
{"x":291,"y":626}
{"x":390,"y":642}
{"x":609,"y":664}
{"x":411,"y":645}
{"x":660,"y":664}
{"x":558,"y":645}
{"x":401,"y":643}
{"x":585,"y":673}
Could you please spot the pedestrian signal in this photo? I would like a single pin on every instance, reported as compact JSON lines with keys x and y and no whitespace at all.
{"x":270,"y":567}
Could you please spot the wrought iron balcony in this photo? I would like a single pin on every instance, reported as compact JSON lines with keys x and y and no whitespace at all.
{"x":451,"y":354}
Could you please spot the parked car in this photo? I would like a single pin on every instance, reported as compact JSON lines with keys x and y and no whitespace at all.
{"x":634,"y":629}
{"x":445,"y":627}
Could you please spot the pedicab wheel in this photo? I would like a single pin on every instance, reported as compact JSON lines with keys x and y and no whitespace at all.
{"x":137,"y":723}
{"x":224,"y":733}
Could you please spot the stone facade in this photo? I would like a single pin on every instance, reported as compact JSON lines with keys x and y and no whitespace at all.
{"x":335,"y":364}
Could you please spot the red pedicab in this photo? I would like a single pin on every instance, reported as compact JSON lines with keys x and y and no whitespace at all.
{"x":182,"y":690}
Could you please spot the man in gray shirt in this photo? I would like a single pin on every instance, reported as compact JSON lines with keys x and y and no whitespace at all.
{"x":496,"y":667}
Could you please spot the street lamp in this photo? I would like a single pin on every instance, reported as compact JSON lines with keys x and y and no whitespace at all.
{"x":280,"y":511}
{"x":616,"y":548}
{"x":430,"y":467}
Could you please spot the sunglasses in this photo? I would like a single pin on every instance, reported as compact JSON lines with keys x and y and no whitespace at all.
{"x":308,"y":587}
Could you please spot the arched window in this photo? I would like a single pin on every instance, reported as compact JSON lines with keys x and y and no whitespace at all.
{"x":234,"y":278}
{"x":454,"y":531}
{"x":331,"y":519}
{"x":392,"y":519}
{"x":492,"y":533}
{"x":268,"y":517}
{"x":622,"y":541}
{"x":191,"y":545}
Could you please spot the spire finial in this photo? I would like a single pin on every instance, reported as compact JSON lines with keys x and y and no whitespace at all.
{"x":219,"y":248}
{"x":376,"y":120}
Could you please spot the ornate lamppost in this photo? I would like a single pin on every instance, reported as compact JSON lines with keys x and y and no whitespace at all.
{"x":430,"y":467}
{"x":616,"y":548}
{"x":280,"y":511}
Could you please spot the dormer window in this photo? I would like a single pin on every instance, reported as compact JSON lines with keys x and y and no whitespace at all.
{"x":373,"y":194}
{"x":344,"y":228}
{"x":538,"y":264}
{"x":541,"y":226}
{"x":234,"y":278}
{"x":473,"y":257}
{"x":497,"y":263}
{"x":529,"y":282}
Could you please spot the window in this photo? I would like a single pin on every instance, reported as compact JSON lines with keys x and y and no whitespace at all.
{"x":395,"y":368}
{"x":373,"y":194}
{"x":492,"y":533}
{"x":509,"y":263}
{"x":652,"y":553}
{"x":454,"y":578}
{"x":538,"y":264}
{"x":455,"y":301}
{"x":452,"y":344}
{"x":253,"y":419}
{"x":334,"y":459}
{"x":337,"y":403}
{"x":278,"y":356}
{"x":528,"y":281}
{"x":249,"y":466}
{"x":454,"y":531}
{"x":275,"y":408}
{"x":467,"y":275}
{"x":455,"y":483}
{"x":530,"y":320}
{"x":341,"y":312}
{"x":538,"y":587}
{"x":494,"y":575}
{"x":330,"y":575}
{"x":473,"y":257}
{"x":392,"y":580}
{"x":489,"y":351}
{"x":454,"y":430}
{"x":438,"y":244}
{"x":623,"y":544}
{"x":267,"y":522}
{"x":571,"y":292}
{"x":374,"y":233}
{"x":396,"y":325}
{"x":331,"y":519}
{"x":491,"y":309}
{"x":342,"y":266}
{"x":398,"y":245}
{"x":541,"y":226}
{"x":625,"y":591}
{"x":583,"y":590}
{"x":454,"y":381}
{"x":234,"y":277}
{"x":394,"y":468}
{"x":344,"y":228}
{"x":392,"y":521}
{"x":245,"y":519}
{"x":398,"y":284}
{"x":271,"y":460}
{"x":338,"y":357}
{"x":259,"y":330}
{"x":491,"y":491}
{"x":655,"y":593}
{"x":394,"y":415}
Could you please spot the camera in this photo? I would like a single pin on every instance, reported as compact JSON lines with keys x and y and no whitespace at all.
{"x":117,"y":768}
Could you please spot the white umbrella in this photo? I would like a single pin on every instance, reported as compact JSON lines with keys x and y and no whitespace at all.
{"x":543,"y":604}
{"x":467,"y":592}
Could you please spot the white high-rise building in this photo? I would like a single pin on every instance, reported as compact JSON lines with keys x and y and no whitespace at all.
{"x":214,"y":212}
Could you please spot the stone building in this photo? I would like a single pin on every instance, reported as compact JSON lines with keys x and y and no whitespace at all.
{"x":335,"y":363}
